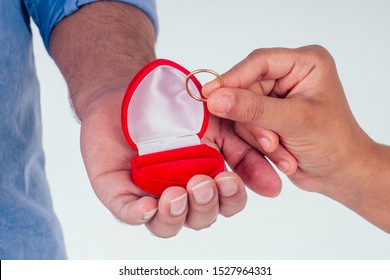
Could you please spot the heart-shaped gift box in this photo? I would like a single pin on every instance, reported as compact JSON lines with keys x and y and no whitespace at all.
{"x":164,"y":124}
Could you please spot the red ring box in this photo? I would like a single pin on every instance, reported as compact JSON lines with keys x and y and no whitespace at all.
{"x":164,"y":124}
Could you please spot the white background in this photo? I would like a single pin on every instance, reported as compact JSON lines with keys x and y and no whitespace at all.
{"x":217,"y":34}
{"x":190,"y":269}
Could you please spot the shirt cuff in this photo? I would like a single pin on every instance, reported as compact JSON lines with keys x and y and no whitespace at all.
{"x":47,"y":13}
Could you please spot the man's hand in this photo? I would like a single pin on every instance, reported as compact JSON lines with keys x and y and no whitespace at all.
{"x":99,"y":49}
{"x":107,"y":158}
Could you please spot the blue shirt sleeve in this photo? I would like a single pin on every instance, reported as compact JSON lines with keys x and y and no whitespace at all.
{"x":47,"y":13}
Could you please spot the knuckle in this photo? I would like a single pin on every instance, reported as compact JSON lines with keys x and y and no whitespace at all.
{"x":235,"y":207}
{"x":256,"y":52}
{"x":162,"y":231}
{"x":201,"y":226}
{"x":165,"y":235}
{"x":254,"y":111}
{"x":320,"y":53}
{"x":228,"y":212}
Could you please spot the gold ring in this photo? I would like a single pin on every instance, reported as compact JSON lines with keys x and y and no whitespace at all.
{"x":198,"y":98}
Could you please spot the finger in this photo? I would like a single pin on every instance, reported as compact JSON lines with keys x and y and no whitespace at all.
{"x":267,"y":142}
{"x":243,"y":158}
{"x":284,"y":160}
{"x":135,"y":211}
{"x":245,"y":106}
{"x":287,"y":67}
{"x":255,"y":171}
{"x":232,"y":193}
{"x":171,"y":214}
{"x":203,"y":202}
{"x":263,"y":87}
{"x":261,"y":64}
{"x":262,"y":139}
{"x":123,"y":198}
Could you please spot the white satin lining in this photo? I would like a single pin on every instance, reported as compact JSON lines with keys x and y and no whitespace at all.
{"x":161,"y":115}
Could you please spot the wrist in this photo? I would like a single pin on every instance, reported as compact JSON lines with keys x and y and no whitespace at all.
{"x":97,"y":96}
{"x":99,"y":48}
{"x":365,"y":185}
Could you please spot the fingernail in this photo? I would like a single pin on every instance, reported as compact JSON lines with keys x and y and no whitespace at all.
{"x":283,"y":166}
{"x":223,"y":104}
{"x":227,"y":186}
{"x":265,"y":144}
{"x":203,"y":192}
{"x":178,"y":205}
{"x":148,"y":215}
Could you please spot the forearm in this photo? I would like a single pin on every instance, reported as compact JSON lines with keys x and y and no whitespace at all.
{"x":99,"y":48}
{"x":366,"y":186}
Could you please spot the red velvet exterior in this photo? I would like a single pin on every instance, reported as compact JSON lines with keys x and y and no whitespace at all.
{"x":155,"y":172}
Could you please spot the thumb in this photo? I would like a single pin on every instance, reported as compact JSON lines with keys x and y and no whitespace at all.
{"x":248,"y":107}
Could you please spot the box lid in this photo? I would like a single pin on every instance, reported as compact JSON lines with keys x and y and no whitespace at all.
{"x":157,"y":112}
